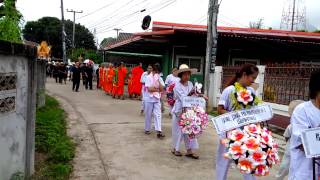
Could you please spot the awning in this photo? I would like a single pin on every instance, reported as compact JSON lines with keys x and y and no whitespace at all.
{"x":133,"y":54}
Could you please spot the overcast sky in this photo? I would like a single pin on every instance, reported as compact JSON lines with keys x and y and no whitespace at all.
{"x":104,"y":15}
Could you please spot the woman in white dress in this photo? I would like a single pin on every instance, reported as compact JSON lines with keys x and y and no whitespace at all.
{"x":305,"y":116}
{"x":154,"y":85}
{"x":182,"y":89}
{"x":227,"y":103}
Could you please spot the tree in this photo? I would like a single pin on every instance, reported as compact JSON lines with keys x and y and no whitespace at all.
{"x":85,"y":54}
{"x":256,"y":25}
{"x":9,"y":22}
{"x":49,"y":29}
{"x":317,"y":31}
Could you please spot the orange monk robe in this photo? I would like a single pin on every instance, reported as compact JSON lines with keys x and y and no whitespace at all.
{"x":100,"y":77}
{"x":115,"y":82}
{"x":136,"y":76}
{"x":122,"y":73}
{"x":130,"y":85}
{"x":105,"y":85}
{"x":109,"y":80}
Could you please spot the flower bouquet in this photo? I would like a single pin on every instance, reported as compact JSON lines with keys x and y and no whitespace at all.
{"x":252,"y":148}
{"x":193,"y":121}
{"x":169,"y":92}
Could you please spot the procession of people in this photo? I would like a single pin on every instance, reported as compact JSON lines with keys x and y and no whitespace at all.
{"x":240,"y":95}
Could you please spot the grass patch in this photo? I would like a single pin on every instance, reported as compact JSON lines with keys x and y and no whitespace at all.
{"x":213,"y":113}
{"x":54,"y":148}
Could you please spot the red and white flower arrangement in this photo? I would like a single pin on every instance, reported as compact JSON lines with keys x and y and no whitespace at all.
{"x":252,"y":149}
{"x":193,"y":121}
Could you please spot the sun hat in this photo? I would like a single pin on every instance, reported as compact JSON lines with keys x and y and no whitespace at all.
{"x":185,"y":68}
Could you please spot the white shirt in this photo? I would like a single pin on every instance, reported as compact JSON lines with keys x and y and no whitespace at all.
{"x":153,"y":80}
{"x":180,"y":91}
{"x":305,"y":116}
{"x":171,"y":79}
{"x":144,"y":77}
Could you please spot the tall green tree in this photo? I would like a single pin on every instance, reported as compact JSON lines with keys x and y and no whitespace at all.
{"x":9,"y":22}
{"x":49,"y":29}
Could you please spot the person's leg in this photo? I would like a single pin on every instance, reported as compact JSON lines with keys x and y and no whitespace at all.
{"x":191,"y":144}
{"x":222,"y":164}
{"x":77,"y":85}
{"x":148,"y":116}
{"x":176,"y":133}
{"x":73,"y":84}
{"x":90,"y":83}
{"x":97,"y":82}
{"x":157,"y":116}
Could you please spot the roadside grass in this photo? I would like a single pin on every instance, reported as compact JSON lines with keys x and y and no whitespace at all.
{"x":54,"y":148}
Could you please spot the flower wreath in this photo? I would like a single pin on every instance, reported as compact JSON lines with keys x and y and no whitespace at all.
{"x":251,"y":147}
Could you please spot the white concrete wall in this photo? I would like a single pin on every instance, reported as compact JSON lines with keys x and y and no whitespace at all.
{"x":13,"y":124}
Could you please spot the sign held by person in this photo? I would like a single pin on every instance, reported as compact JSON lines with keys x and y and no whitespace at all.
{"x":236,"y":119}
{"x":189,"y":101}
{"x":311,"y":142}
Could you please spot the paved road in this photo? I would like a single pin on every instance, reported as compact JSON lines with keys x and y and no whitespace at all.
{"x":112,"y":144}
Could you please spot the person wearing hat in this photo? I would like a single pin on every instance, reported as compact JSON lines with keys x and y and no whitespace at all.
{"x":182,"y":89}
{"x":154,"y":85}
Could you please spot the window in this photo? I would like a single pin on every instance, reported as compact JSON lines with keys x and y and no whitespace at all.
{"x":192,"y":61}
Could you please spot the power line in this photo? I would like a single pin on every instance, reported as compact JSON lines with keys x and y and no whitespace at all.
{"x":164,"y":6}
{"x":121,"y":18}
{"x":102,"y":20}
{"x":143,"y":9}
{"x":97,"y":10}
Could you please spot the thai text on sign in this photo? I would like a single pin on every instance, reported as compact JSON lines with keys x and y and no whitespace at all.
{"x":236,"y":119}
{"x":190,"y":101}
{"x":311,"y":142}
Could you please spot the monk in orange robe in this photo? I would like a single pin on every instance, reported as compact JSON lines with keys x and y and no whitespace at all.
{"x":109,"y":82}
{"x":130,"y":85}
{"x":122,"y":73}
{"x":100,"y":75}
{"x":136,"y":77}
{"x":115,"y":81}
{"x":106,"y":71}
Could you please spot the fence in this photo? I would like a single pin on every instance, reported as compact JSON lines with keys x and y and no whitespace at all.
{"x":281,"y":84}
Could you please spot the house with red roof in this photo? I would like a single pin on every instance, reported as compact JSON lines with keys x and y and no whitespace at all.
{"x":172,"y":44}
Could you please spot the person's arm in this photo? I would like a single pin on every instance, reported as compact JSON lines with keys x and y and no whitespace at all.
{"x":299,"y":123}
{"x":223,"y":102}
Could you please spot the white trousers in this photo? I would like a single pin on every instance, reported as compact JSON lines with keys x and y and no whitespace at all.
{"x":152,"y":109}
{"x":177,"y":136}
{"x":222,"y":165}
{"x":142,"y":97}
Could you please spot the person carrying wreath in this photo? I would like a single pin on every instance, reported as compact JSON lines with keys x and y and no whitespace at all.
{"x":183,"y":88}
{"x":237,"y":96}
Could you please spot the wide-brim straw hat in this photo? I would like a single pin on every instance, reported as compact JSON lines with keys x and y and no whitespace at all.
{"x":185,"y":68}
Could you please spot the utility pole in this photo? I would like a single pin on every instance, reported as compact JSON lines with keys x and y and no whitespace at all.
{"x":74,"y":24}
{"x":293,"y":14}
{"x":118,"y":30}
{"x":64,"y":56}
{"x":212,"y":37}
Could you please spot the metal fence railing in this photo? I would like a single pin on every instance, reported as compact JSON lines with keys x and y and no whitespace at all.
{"x":281,"y":84}
{"x":284,"y":84}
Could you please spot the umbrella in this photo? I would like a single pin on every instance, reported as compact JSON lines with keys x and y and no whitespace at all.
{"x":88,"y":61}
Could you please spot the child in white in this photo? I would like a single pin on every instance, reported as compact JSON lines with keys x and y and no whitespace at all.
{"x":285,"y":162}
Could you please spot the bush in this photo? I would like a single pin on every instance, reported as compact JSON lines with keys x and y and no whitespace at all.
{"x":52,"y":140}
